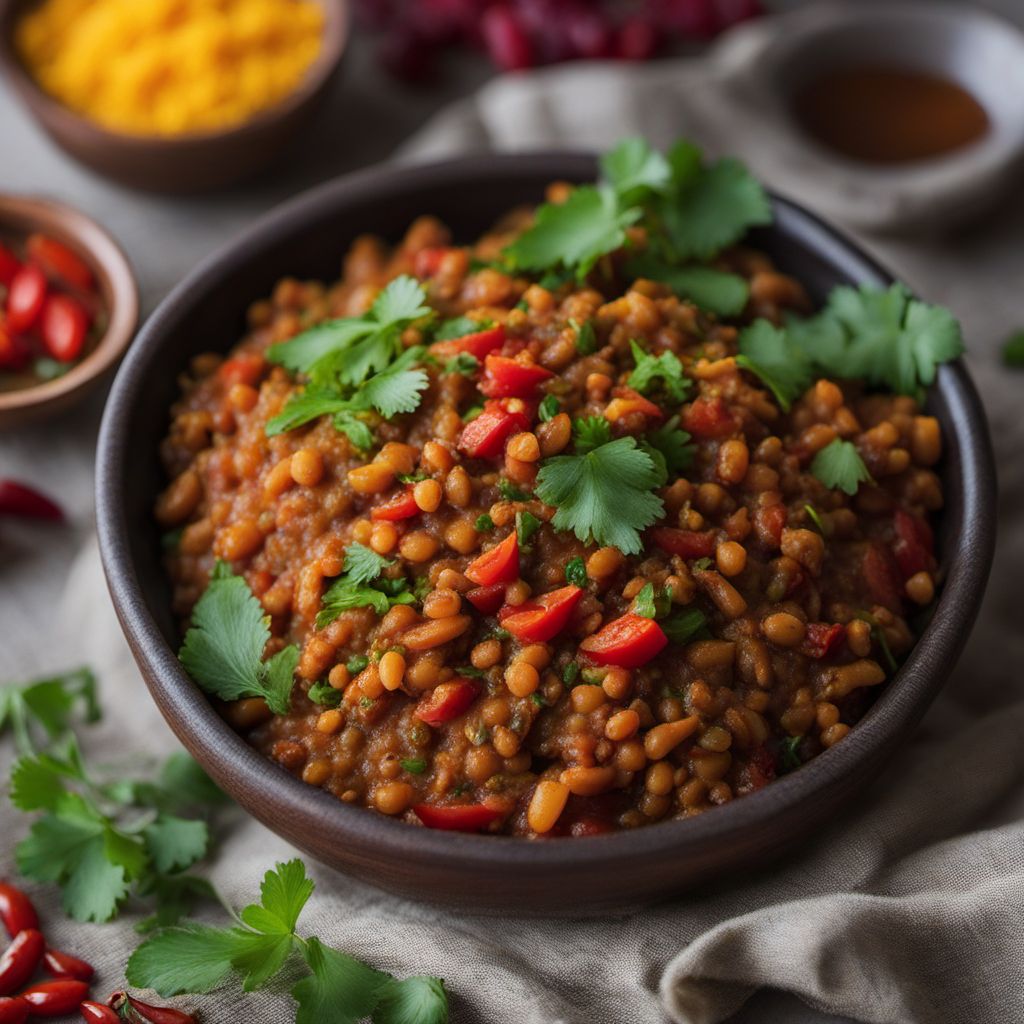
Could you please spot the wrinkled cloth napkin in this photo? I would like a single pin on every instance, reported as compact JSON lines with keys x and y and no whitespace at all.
{"x":907,"y":909}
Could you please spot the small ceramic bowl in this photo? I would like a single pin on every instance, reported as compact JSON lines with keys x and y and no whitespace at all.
{"x":306,"y":238}
{"x":22,"y":215}
{"x":757,"y":67}
{"x":185,"y":163}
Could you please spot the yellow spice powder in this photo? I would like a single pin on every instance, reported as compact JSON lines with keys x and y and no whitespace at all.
{"x":170,"y":67}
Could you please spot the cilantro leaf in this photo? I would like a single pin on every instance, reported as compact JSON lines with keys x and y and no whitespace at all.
{"x":510,"y":492}
{"x":417,"y":1000}
{"x":665,"y":367}
{"x":305,"y":406}
{"x":360,"y":586}
{"x":484,"y":523}
{"x":590,"y":432}
{"x":643,"y":603}
{"x":354,"y":429}
{"x":549,"y":408}
{"x":189,"y":784}
{"x":223,"y":648}
{"x":576,"y":572}
{"x":395,"y":389}
{"x":363,"y":564}
{"x":573,"y":234}
{"x":586,"y":337}
{"x":175,"y":843}
{"x":769,"y":353}
{"x":839,"y":465}
{"x":604,"y":495}
{"x":325,"y":695}
{"x":460,"y":326}
{"x":527,"y":525}
{"x":49,"y":704}
{"x":684,"y":626}
{"x":464,"y":363}
{"x":189,"y":958}
{"x":284,"y":892}
{"x":672,"y":443}
{"x":175,"y":896}
{"x":340,"y":988}
{"x":633,"y":167}
{"x":1013,"y":350}
{"x":714,"y":290}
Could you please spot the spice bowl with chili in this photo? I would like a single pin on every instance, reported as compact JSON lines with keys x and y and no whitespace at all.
{"x":68,"y":307}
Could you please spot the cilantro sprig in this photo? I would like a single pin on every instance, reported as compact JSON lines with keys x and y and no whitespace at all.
{"x":224,"y":646}
{"x":664,"y":372}
{"x":264,"y":942}
{"x":839,"y":465}
{"x":42,"y":711}
{"x":362,"y":585}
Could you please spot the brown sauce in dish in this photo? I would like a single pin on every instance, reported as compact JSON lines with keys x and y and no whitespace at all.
{"x":885,"y":115}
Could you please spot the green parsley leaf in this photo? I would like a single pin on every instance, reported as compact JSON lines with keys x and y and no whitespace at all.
{"x":839,"y":465}
{"x":484,"y":523}
{"x":395,"y":389}
{"x":673,"y":444}
{"x":713,"y":290}
{"x":47,"y":706}
{"x":175,"y":844}
{"x":459,"y":327}
{"x":633,"y":168}
{"x":789,"y":756}
{"x":363,"y":564}
{"x":357,"y":663}
{"x":223,"y":648}
{"x":1013,"y":350}
{"x":527,"y":525}
{"x":175,"y":897}
{"x":355,"y":429}
{"x":188,"y":958}
{"x":305,"y":406}
{"x":586,"y":338}
{"x":417,"y":1000}
{"x":591,"y":432}
{"x":339,"y":988}
{"x":510,"y":492}
{"x":549,"y":408}
{"x":605,"y":495}
{"x":770,"y":353}
{"x":325,"y":695}
{"x":685,"y":625}
{"x":360,"y":586}
{"x":574,"y":234}
{"x":464,"y":363}
{"x":664,"y":367}
{"x":643,"y":603}
{"x":570,"y":673}
{"x":414,"y":765}
{"x":576,"y":572}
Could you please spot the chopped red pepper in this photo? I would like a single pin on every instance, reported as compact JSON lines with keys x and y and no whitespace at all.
{"x":25,"y":298}
{"x":246,"y":368}
{"x":478,"y":344}
{"x":487,"y":600}
{"x":882,"y":577}
{"x":485,"y":437}
{"x":499,"y":564}
{"x":628,"y":642}
{"x":15,"y":351}
{"x":709,"y":417}
{"x":628,"y":401}
{"x":760,"y":767}
{"x":539,"y":620}
{"x":458,"y":818}
{"x":769,"y":522}
{"x":20,"y":500}
{"x":9,"y":265}
{"x":64,"y":326}
{"x":685,"y":543}
{"x":914,"y":544}
{"x":401,"y":506}
{"x":446,"y":701}
{"x":509,"y":378}
{"x":59,"y":261}
{"x":822,"y":639}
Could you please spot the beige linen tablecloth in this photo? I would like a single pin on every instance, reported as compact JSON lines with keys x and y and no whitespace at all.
{"x":908,"y":909}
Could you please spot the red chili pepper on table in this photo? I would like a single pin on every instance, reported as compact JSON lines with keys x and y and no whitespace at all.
{"x":628,"y":642}
{"x":64,"y":965}
{"x":55,"y":998}
{"x":146,"y":1012}
{"x":18,"y":499}
{"x":13,"y":1011}
{"x":16,"y":910}
{"x":539,"y":620}
{"x":18,"y":964}
{"x":96,"y":1013}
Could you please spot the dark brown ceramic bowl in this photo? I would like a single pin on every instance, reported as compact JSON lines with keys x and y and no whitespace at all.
{"x":306,"y":238}
{"x":21,"y":215}
{"x":186,"y":163}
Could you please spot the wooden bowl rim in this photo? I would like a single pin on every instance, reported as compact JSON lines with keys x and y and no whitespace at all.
{"x":117,"y":286}
{"x":280,"y":800}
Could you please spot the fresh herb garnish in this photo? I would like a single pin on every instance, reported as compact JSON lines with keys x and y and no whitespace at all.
{"x":44,"y":707}
{"x":685,"y":625}
{"x":464,"y":363}
{"x":459,"y":327}
{"x":576,"y":572}
{"x":484,"y":523}
{"x":510,"y":492}
{"x":815,"y":518}
{"x":335,"y":986}
{"x":789,"y":757}
{"x":665,"y":368}
{"x":539,"y":700}
{"x":839,"y":465}
{"x":356,"y":664}
{"x":414,"y":765}
{"x":768,"y":352}
{"x":713,"y":290}
{"x":324,"y":694}
{"x":643,"y":603}
{"x":590,"y":432}
{"x":527,"y":525}
{"x":672,"y":447}
{"x":361,"y":585}
{"x":549,"y":408}
{"x":223,"y":648}
{"x":570,"y":673}
{"x":586,"y":339}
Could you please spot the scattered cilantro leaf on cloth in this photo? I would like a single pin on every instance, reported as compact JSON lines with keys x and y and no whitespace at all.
{"x":45,"y":707}
{"x":839,"y":465}
{"x":336,"y":987}
{"x":714,"y":290}
{"x":573,"y":234}
{"x":223,"y":648}
{"x":1013,"y":350}
{"x":665,"y":368}
{"x":769,"y":353}
{"x":360,"y":586}
{"x":605,"y":495}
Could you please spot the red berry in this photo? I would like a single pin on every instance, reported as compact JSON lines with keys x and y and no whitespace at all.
{"x":506,"y":40}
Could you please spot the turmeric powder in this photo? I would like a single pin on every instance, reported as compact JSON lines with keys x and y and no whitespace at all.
{"x":170,"y":67}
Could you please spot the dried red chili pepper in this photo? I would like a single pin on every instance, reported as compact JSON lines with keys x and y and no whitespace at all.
{"x":19,"y":500}
{"x":96,"y":1013}
{"x":55,"y":998}
{"x":18,"y":964}
{"x":149,"y":1014}
{"x":13,"y":1011}
{"x":64,"y":965}
{"x":16,"y":910}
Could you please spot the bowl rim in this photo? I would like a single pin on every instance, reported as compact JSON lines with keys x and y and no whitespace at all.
{"x":336,"y":35}
{"x":286,"y":799}
{"x":112,"y":269}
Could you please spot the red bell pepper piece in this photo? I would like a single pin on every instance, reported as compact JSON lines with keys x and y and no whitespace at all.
{"x":26,"y":295}
{"x":64,"y":326}
{"x":13,"y":1011}
{"x":16,"y":910}
{"x":458,"y":818}
{"x":628,"y":642}
{"x":487,"y":600}
{"x":769,"y":522}
{"x":882,"y":577}
{"x":478,"y":344}
{"x":685,"y":543}
{"x":485,"y":437}
{"x":822,"y":639}
{"x":628,"y":401}
{"x":914,"y":544}
{"x":59,"y":261}
{"x":246,"y":368}
{"x":760,"y":767}
{"x":19,"y":962}
{"x":9,"y":265}
{"x":20,"y":500}
{"x":446,"y":701}
{"x":509,"y":378}
{"x":499,"y":564}
{"x":15,"y":351}
{"x":538,"y":621}
{"x":709,"y":417}
{"x":401,"y":506}
{"x":64,"y":965}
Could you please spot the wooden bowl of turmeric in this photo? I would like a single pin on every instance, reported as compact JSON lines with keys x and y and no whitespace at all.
{"x":172,"y":95}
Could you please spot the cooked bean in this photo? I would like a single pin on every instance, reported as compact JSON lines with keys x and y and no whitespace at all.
{"x":546,"y":805}
{"x":436,"y":632}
